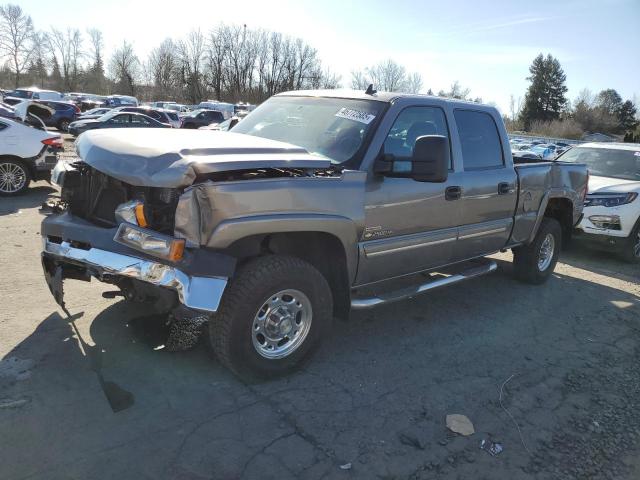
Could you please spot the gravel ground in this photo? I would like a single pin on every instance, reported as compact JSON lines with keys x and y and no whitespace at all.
{"x":94,"y":398}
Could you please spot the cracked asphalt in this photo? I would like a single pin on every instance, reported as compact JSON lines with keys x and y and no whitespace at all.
{"x":93,"y":397}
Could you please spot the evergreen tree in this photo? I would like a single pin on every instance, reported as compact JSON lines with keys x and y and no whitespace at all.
{"x":627,"y":116}
{"x":545,"y":97}
{"x":56,"y":76}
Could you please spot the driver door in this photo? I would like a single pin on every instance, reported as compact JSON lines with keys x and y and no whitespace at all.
{"x":410,"y":226}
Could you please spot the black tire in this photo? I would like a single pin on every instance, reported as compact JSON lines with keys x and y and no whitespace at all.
{"x":189,"y":125}
{"x":63,"y":125}
{"x":631,"y":249}
{"x":13,"y":168}
{"x":231,"y":329}
{"x":526,"y":259}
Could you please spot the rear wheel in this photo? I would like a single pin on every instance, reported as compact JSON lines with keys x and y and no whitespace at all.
{"x":273,"y":314}
{"x":14,"y":177}
{"x":631,"y":252}
{"x":534,"y":263}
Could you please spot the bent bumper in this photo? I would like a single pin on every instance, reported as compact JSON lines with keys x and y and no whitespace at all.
{"x":200,"y":293}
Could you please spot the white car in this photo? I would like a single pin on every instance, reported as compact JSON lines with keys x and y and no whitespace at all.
{"x":27,"y":150}
{"x":612,"y":207}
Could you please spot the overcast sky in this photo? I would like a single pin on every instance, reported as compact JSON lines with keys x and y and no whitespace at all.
{"x":487,"y":48}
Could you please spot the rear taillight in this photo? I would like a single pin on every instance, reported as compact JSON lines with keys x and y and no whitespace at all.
{"x":53,"y":141}
{"x":77,"y":109}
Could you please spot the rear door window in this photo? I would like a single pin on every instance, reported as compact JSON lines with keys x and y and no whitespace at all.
{"x":480,"y":141}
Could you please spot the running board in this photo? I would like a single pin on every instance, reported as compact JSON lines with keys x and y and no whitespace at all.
{"x":369,"y":302}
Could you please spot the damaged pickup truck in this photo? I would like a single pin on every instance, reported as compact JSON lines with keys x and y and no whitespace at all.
{"x":317,"y":203}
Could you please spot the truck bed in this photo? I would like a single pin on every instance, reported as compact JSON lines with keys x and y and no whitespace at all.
{"x":538,"y":184}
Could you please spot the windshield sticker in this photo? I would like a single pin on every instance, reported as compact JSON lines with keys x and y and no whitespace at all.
{"x":356,"y":115}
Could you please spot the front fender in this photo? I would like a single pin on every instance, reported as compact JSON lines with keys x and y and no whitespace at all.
{"x":344,"y":229}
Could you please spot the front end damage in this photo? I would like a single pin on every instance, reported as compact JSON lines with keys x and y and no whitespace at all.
{"x":86,"y":239}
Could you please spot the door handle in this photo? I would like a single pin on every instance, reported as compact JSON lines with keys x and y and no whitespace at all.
{"x":504,"y":188}
{"x":452,"y":193}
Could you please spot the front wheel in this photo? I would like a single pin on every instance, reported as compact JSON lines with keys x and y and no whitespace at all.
{"x":631,"y":252}
{"x":534,"y":263}
{"x":14,"y":177}
{"x":274,"y":313}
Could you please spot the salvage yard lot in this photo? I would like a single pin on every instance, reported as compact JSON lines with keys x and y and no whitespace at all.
{"x":93,"y":398}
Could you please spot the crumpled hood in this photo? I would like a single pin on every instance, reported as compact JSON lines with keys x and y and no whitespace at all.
{"x":616,"y":185}
{"x":173,"y":158}
{"x":27,"y":108}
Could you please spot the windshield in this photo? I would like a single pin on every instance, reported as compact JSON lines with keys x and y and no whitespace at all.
{"x":606,"y":162}
{"x":332,"y":127}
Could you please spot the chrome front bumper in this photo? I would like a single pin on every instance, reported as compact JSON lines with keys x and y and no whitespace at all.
{"x":200,"y":293}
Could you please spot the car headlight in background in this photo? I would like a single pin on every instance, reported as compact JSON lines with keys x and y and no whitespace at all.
{"x":150,"y":242}
{"x":132,"y":212}
{"x":609,"y":199}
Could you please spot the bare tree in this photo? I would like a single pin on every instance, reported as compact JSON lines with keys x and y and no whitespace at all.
{"x":164,"y":69}
{"x":95,"y":80}
{"x":66,"y":47}
{"x":387,"y":76}
{"x":413,"y":83}
{"x":456,"y":91}
{"x":215,"y":57}
{"x":16,"y":35}
{"x":125,"y":68}
{"x":191,"y":55}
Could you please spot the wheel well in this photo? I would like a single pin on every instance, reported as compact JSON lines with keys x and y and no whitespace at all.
{"x":561,"y":209}
{"x":21,"y":161}
{"x":322,"y":250}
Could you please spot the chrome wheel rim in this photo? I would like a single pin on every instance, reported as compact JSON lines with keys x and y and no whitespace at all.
{"x":546,"y":252}
{"x":12,"y":177}
{"x":636,"y":247}
{"x":282,"y":324}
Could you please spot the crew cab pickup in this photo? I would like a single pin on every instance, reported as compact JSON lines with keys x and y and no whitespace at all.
{"x":316,"y":203}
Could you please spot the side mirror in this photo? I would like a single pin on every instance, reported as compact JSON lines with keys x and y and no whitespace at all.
{"x":429,"y":162}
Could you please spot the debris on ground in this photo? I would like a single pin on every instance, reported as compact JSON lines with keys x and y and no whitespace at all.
{"x":492,"y":447}
{"x":460,"y":424}
{"x":184,"y":330}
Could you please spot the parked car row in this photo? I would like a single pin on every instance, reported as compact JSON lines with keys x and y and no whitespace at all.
{"x":537,"y":149}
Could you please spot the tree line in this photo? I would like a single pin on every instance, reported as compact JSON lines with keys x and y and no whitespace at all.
{"x":230,"y":62}
{"x":546,"y":110}
{"x":235,"y":63}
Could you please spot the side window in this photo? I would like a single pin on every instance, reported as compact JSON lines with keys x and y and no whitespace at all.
{"x":120,"y":119}
{"x":481,"y":147}
{"x":139,"y":119}
{"x":414,"y":122}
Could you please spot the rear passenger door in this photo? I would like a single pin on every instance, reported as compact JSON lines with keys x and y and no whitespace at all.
{"x":488,"y":186}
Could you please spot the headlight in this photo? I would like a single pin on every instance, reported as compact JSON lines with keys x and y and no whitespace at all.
{"x":609,"y":199}
{"x":150,"y":242}
{"x":132,"y":212}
